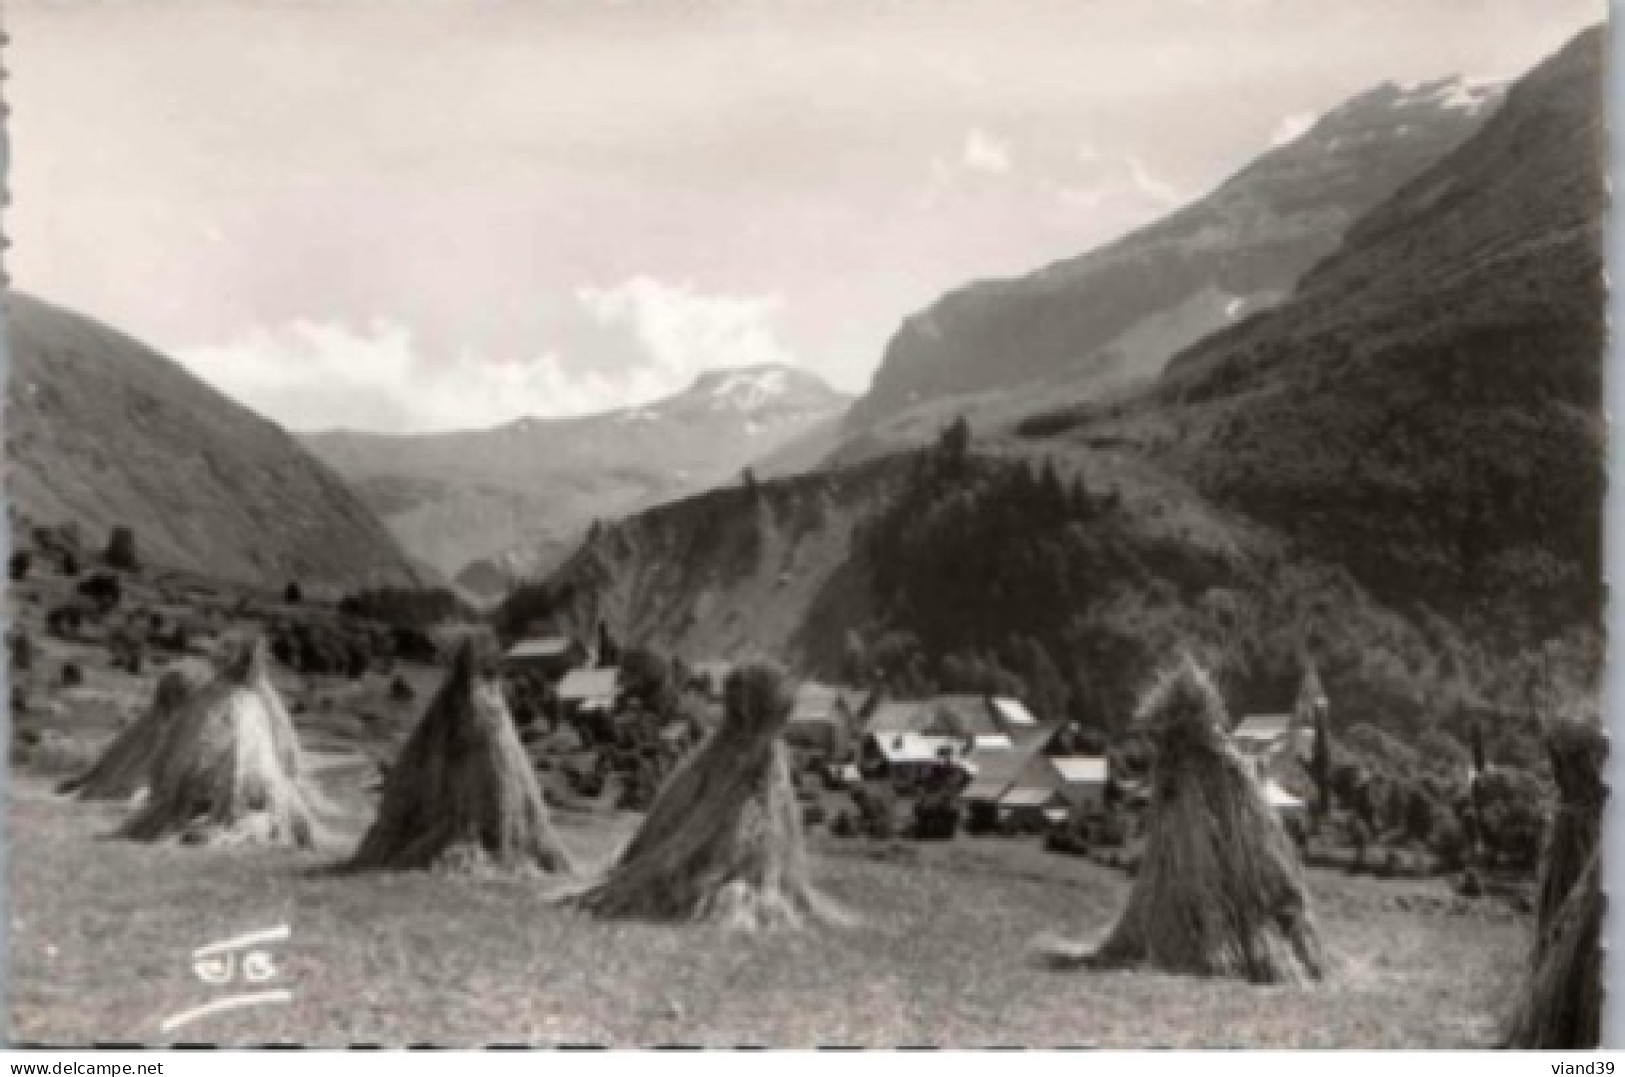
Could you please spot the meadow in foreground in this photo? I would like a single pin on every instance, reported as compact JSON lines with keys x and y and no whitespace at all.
{"x":102,"y":932}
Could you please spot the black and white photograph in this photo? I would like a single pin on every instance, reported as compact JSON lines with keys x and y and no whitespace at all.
{"x":806,"y":523}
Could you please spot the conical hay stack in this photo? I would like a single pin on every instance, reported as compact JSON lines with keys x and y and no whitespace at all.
{"x":1561,"y":1007}
{"x":1578,"y":751}
{"x":228,"y":770}
{"x":723,"y":838}
{"x":125,"y":768}
{"x":462,"y":793}
{"x":1220,"y":890}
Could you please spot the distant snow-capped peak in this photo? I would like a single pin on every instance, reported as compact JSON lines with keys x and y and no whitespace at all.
{"x":1456,"y":92}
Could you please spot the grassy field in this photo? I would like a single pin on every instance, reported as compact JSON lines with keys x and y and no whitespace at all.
{"x":102,"y":932}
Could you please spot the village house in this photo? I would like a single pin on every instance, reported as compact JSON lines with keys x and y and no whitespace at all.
{"x":551,"y":656}
{"x":823,"y":719}
{"x":590,"y":691}
{"x":1027,"y":780}
{"x":908,"y":757}
{"x":975,"y":727}
{"x":710,"y":677}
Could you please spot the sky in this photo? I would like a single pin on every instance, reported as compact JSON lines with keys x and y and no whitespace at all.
{"x":430,"y":215}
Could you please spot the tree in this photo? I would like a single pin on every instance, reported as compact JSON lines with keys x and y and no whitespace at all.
{"x":293,"y":594}
{"x":1359,"y":838}
{"x":1513,"y":823}
{"x":104,"y":590}
{"x":21,"y":562}
{"x":1320,"y":767}
{"x":953,"y":446}
{"x":1420,"y":813}
{"x":121,"y":550}
{"x":609,"y":655}
{"x":646,"y":678}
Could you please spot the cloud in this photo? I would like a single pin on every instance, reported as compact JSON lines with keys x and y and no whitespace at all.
{"x":1149,"y":185}
{"x":311,"y":375}
{"x":984,"y":153}
{"x":1082,"y":197}
{"x":1291,"y":127}
{"x":682,"y":332}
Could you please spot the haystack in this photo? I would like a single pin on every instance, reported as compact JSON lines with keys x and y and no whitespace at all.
{"x":462,"y":793}
{"x":723,"y":839}
{"x":1578,"y":750}
{"x":125,"y":768}
{"x":229,"y":771}
{"x":1220,"y":890}
{"x":1561,"y":1004}
{"x":1561,"y":1007}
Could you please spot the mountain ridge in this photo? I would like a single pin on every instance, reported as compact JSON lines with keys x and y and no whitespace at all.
{"x":501,"y":502}
{"x":1088,"y":324}
{"x":103,"y":430}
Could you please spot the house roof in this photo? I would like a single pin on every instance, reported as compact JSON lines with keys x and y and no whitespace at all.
{"x":894,"y":716}
{"x":996,"y":769}
{"x":815,"y":703}
{"x":1264,"y":728}
{"x":855,"y":699}
{"x":1279,"y":798}
{"x":916,"y":747}
{"x":1081,"y":769}
{"x":716,"y":670}
{"x":590,"y":684}
{"x":540,"y":647}
{"x":1027,"y":796}
{"x":961,"y":715}
{"x":1013,"y":712}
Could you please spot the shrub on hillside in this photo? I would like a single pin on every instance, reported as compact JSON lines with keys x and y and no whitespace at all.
{"x":65,"y":621}
{"x":121,"y":550}
{"x":72,"y":675}
{"x":293,"y":594}
{"x":21,"y":562}
{"x":981,"y":818}
{"x":877,"y":810}
{"x":21,"y":650}
{"x":411,"y":607}
{"x":1514,"y":822}
{"x":936,"y":818}
{"x":844,"y":827}
{"x":400,"y":690}
{"x":103,"y":589}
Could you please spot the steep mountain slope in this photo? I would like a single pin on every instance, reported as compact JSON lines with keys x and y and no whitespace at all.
{"x":1112,"y":317}
{"x":102,"y":431}
{"x":1427,"y":410}
{"x":1397,"y":472}
{"x":490,"y":505}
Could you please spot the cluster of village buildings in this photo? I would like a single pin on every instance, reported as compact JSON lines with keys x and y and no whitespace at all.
{"x":1008,"y":761}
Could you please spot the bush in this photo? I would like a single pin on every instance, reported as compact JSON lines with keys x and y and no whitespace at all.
{"x":877,"y":811}
{"x":72,"y":675}
{"x":401,"y":691}
{"x":21,"y":650}
{"x":293,"y":594}
{"x":21,"y":562}
{"x":1067,"y":840}
{"x":121,"y":550}
{"x":1449,"y":842}
{"x":103,"y":589}
{"x":813,"y":815}
{"x":936,"y":818}
{"x":844,"y":827}
{"x":982,"y":818}
{"x":1514,"y":824}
